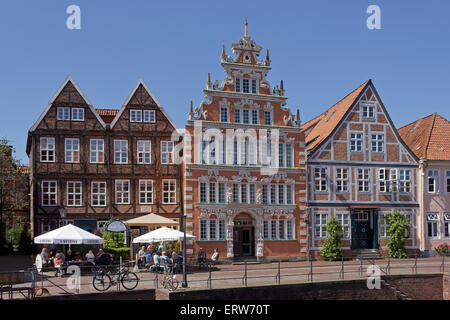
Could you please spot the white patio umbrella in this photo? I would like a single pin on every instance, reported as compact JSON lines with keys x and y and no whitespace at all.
{"x":161,"y":235}
{"x":69,"y":234}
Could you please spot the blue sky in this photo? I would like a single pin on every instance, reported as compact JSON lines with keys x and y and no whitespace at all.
{"x":321,"y":49}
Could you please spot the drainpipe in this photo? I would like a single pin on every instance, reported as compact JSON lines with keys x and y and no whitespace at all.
{"x":422,"y":183}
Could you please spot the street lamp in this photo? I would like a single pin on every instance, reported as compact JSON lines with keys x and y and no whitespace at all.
{"x":184,"y":284}
{"x":62,"y":212}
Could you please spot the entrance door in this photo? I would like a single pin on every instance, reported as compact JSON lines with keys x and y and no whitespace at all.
{"x":243,"y":241}
{"x":361,"y":232}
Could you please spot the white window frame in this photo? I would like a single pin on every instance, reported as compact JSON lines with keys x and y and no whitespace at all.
{"x":120,"y":192}
{"x":434,"y":219}
{"x":147,"y":192}
{"x":149,"y":116}
{"x":252,"y":114}
{"x":320,"y":230}
{"x":70,"y":153}
{"x":219,"y":227}
{"x":118,"y":151}
{"x":377,"y":142}
{"x":270,"y":113}
{"x":49,"y":193}
{"x":446,"y":223}
{"x":74,"y":199}
{"x":76,"y":113}
{"x":365,"y":111}
{"x":344,"y":219}
{"x":135,"y":115}
{"x":166,"y":145}
{"x":363,"y":181}
{"x":98,"y":150}
{"x":387,"y":180}
{"x":226,"y":114}
{"x":47,"y":151}
{"x":64,"y":112}
{"x":433,"y":174}
{"x":143,"y":149}
{"x":354,"y":137}
{"x":323,"y":181}
{"x":96,"y":200}
{"x":383,"y":226}
{"x":404,"y":181}
{"x":342,"y":183}
{"x":170,"y":193}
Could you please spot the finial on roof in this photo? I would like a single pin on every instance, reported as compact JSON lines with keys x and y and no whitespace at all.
{"x":267,"y":62}
{"x":298,"y":121}
{"x":191,"y":111}
{"x":246,"y":28}
{"x":223,"y":56}
{"x":281,"y":88}
{"x":192,"y":107}
{"x":209,"y":84}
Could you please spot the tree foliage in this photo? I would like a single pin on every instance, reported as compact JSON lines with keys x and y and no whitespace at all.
{"x":332,"y":248}
{"x":398,"y":229}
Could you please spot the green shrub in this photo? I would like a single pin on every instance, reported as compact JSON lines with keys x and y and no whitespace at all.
{"x":14,"y":238}
{"x":123,"y":252}
{"x":332,"y":248}
{"x":398,"y":228}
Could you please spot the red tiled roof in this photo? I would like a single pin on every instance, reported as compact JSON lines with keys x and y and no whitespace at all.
{"x":319,"y":129}
{"x":428,"y":137}
{"x":107,"y":115}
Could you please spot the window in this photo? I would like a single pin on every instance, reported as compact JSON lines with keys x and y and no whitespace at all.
{"x":49,"y":193}
{"x":150,"y":116}
{"x":447,"y":224}
{"x":144,"y":152}
{"x":74,"y":193}
{"x":245,"y":116}
{"x":238,"y":84}
{"x":383,"y":226}
{"x":169,"y":191}
{"x":356,"y":142}
{"x":377,"y":142}
{"x":97,"y":151}
{"x":255,"y":117}
{"x":433,"y":225}
{"x":280,"y":155}
{"x":203,"y":192}
{"x":433,"y":181}
{"x":280,"y":193}
{"x":245,"y":85}
{"x":224,"y":114}
{"x":120,"y":151}
{"x":212,"y":229}
{"x":222,"y":193}
{"x":273,"y":194}
{"x":77,"y":114}
{"x":320,"y":179}
{"x":342,"y":179}
{"x":122,"y":191}
{"x":405,"y":181}
{"x":235,"y":193}
{"x":254,"y":86}
{"x":135,"y":115}
{"x":387,"y":180}
{"x":98,"y":193}
{"x":447,"y":180}
{"x":212,"y":192}
{"x":237,"y":115}
{"x":145,"y":191}
{"x":368,"y":111}
{"x":72,"y":150}
{"x":268,"y":118}
{"x":265,"y":195}
{"x":166,"y":152}
{"x":288,"y":155}
{"x":243,"y":193}
{"x":320,"y":224}
{"x":63,"y":113}
{"x":289,"y":191}
{"x":343,"y":218}
{"x":252,"y":193}
{"x":363,"y":180}
{"x":47,"y":147}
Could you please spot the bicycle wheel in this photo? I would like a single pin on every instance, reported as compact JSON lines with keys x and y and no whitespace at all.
{"x":101,"y":282}
{"x":173,"y":284}
{"x":130,"y":280}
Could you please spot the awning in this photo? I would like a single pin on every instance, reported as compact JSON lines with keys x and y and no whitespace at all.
{"x":68,"y":234}
{"x":161,"y":235}
{"x":151,"y":220}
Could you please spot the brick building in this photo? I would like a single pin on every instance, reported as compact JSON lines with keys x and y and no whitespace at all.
{"x":97,"y":164}
{"x":244,"y":169}
{"x":429,"y":139}
{"x":359,"y":169}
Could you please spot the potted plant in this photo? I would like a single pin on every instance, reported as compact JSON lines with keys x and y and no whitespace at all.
{"x":441,"y":249}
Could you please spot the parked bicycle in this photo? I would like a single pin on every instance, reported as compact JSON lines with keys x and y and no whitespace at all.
{"x":169,"y":281}
{"x":103,"y":280}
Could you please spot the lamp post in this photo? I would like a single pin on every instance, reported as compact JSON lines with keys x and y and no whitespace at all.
{"x":184,"y":284}
{"x":62,"y":212}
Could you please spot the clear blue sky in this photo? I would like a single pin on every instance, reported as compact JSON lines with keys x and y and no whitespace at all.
{"x":321,"y":49}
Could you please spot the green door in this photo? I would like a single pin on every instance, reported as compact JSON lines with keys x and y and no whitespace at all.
{"x":361,"y":232}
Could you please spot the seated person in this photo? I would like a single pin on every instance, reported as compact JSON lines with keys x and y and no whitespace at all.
{"x":155,"y":266}
{"x":142,"y":255}
{"x":201,"y":258}
{"x":58,"y":262}
{"x":70,"y":256}
{"x":215,"y":256}
{"x":45,"y":257}
{"x":165,"y":258}
{"x":103,"y":258}
{"x":90,"y":258}
{"x":148,"y":258}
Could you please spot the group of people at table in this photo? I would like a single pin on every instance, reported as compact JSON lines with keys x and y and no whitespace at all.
{"x":157,"y":259}
{"x":59,"y":260}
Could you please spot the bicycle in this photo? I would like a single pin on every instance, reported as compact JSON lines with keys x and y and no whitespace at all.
{"x":169,"y":281}
{"x":102,"y":281}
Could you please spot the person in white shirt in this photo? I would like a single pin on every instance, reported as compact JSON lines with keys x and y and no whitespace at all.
{"x":90,"y":257}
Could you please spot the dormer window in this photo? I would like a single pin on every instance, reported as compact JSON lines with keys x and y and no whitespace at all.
{"x":135,"y":115}
{"x":246,"y":85}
